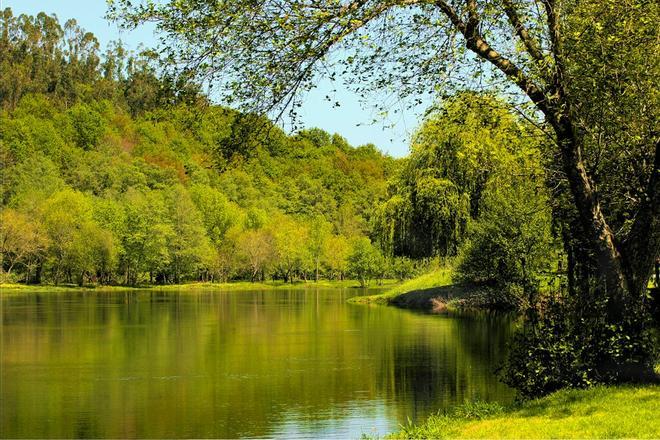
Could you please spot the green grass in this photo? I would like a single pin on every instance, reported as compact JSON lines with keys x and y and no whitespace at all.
{"x":601,"y":412}
{"x":435,"y":278}
{"x":7,"y":288}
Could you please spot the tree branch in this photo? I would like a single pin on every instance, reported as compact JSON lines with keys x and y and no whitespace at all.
{"x":530,"y":43}
{"x":477,"y":44}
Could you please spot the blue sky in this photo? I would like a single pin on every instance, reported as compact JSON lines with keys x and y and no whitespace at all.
{"x":391,"y":136}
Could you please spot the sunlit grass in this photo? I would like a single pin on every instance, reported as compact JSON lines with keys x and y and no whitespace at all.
{"x":601,"y":412}
{"x":435,"y":278}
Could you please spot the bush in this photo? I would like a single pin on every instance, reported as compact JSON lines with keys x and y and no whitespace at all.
{"x":511,"y":244}
{"x":568,"y":344}
{"x":87,"y":126}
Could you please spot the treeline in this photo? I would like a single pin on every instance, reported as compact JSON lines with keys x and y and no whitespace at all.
{"x":115,"y":173}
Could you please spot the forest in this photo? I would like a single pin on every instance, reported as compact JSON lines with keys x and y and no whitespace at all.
{"x":113,"y":175}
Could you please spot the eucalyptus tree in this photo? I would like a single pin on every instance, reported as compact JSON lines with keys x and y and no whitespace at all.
{"x":563,"y":60}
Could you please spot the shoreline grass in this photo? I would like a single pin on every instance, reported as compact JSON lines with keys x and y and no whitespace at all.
{"x":599,"y":412}
{"x":8,"y":288}
{"x":436,"y":278}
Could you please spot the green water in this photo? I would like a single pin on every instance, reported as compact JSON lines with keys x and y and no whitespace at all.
{"x":234,"y":364}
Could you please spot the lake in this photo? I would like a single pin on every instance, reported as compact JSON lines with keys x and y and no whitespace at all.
{"x":277,"y":363}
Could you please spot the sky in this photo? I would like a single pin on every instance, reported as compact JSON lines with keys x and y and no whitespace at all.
{"x":352,"y":119}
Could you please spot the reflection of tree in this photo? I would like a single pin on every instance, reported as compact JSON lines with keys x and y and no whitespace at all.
{"x":448,"y":360}
{"x":203,"y":364}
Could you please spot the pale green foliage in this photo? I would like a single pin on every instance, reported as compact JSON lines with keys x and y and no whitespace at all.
{"x":336,"y":249}
{"x":78,"y":246}
{"x":189,"y":245}
{"x":23,"y":240}
{"x":117,"y":174}
{"x":257,"y":249}
{"x":468,"y":142}
{"x":87,"y":126}
{"x":318,"y":234}
{"x":365,"y":262}
{"x":290,"y":245}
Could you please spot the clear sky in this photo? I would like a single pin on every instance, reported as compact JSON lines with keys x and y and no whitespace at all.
{"x":391,"y":136}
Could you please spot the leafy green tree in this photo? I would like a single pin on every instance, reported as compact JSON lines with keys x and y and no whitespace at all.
{"x":319,"y":232}
{"x":188,"y":245}
{"x":336,"y":250}
{"x":218,"y":213}
{"x":87,"y":126}
{"x":511,"y":247}
{"x":403,"y":268}
{"x":148,"y":232}
{"x":456,"y":152}
{"x":364,"y":261}
{"x":257,"y":249}
{"x":79,"y":247}
{"x":22,"y":241}
{"x":290,"y":238}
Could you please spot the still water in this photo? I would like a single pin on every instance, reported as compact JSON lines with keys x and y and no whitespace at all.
{"x":274,"y":363}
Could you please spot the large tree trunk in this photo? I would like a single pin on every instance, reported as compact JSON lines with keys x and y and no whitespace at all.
{"x":612,"y":285}
{"x":624,"y":268}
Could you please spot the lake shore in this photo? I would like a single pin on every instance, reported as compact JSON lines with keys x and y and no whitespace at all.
{"x":432,"y":292}
{"x":7,"y":288}
{"x":599,"y":412}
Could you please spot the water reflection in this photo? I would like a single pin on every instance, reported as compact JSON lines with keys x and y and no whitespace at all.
{"x":241,"y":364}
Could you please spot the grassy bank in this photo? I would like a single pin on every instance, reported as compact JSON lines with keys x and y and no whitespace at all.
{"x":601,"y":412}
{"x":418,"y":290}
{"x":233,"y":286}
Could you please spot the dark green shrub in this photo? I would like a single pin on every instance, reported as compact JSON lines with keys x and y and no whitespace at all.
{"x":570,"y":344}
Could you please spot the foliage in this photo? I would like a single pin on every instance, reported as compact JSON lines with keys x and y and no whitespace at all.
{"x":586,"y":69}
{"x":471,"y":140}
{"x":601,"y":412}
{"x":365,"y":262}
{"x":116,"y":173}
{"x":552,"y":351}
{"x":22,"y":241}
{"x":511,"y":244}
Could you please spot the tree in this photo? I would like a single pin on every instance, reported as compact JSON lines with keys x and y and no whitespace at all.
{"x":319,"y":231}
{"x":289,"y":239}
{"x":511,"y":245}
{"x":87,"y":126}
{"x":336,"y":250}
{"x":148,"y":232}
{"x":188,"y":245}
{"x":21,"y":240}
{"x":79,"y":247}
{"x":547,"y":50}
{"x":256,"y":247}
{"x":364,"y":261}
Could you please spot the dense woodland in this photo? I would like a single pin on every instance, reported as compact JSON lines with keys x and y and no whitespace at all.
{"x":113,"y":174}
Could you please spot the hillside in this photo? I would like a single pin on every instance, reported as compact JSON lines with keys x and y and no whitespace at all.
{"x":115,"y":173}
